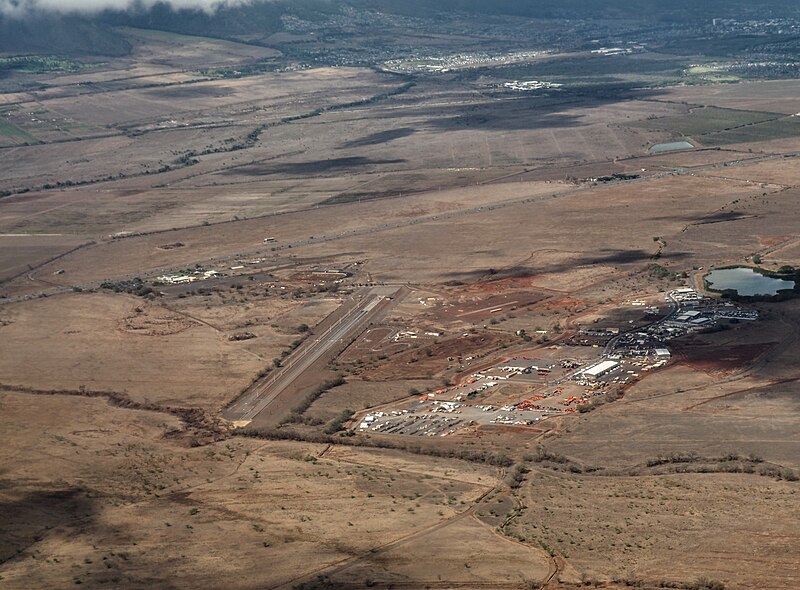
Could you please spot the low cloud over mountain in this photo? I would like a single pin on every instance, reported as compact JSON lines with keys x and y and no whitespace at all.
{"x":26,"y":7}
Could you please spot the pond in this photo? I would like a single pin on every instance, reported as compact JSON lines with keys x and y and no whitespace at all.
{"x":671,"y":147}
{"x":746,"y":282}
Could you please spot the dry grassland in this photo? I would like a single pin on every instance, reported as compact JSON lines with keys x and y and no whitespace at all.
{"x":776,"y":172}
{"x":521,"y":237}
{"x":130,"y":256}
{"x":777,"y":96}
{"x":119,"y":494}
{"x":101,"y":342}
{"x":357,"y":395}
{"x":19,"y":253}
{"x":736,"y":529}
{"x":690,"y":159}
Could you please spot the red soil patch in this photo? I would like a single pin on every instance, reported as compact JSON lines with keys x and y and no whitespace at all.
{"x":563,"y":303}
{"x":316,"y":277}
{"x":769,"y":241}
{"x":489,"y":307}
{"x":501,"y":285}
{"x":376,"y":342}
{"x":431,"y":358}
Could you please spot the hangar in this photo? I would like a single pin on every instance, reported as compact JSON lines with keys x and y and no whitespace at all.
{"x":599,"y":369}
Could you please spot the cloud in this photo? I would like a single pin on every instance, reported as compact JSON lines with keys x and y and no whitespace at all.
{"x":24,"y":7}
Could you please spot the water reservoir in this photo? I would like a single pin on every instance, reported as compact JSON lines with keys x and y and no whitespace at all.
{"x":674,"y":146}
{"x":746,"y":282}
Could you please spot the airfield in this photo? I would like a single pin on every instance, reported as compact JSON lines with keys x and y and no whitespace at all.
{"x":248,"y":328}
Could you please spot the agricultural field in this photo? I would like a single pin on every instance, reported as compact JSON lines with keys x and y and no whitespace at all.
{"x":12,"y":135}
{"x":711,"y":125}
{"x":588,"y":70}
{"x":787,"y":127}
{"x":774,"y":96}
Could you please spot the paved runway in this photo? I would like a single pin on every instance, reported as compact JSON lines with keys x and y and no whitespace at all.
{"x":353,"y":316}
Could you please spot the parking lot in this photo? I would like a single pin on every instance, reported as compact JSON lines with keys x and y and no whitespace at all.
{"x":445,"y":418}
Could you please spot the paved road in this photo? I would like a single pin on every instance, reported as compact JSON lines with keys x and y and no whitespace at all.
{"x":355,"y":315}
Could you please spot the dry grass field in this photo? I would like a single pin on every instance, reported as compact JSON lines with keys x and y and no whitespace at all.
{"x":775,"y":96}
{"x":649,"y":524}
{"x":122,"y":344}
{"x":490,"y":209}
{"x":22,"y":252}
{"x":773,"y":172}
{"x":123,"y":493}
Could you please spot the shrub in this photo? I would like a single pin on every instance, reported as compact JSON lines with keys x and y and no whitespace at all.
{"x":706,"y":584}
{"x":337,"y":424}
{"x":314,"y":395}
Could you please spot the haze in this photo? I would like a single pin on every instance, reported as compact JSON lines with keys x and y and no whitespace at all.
{"x":26,"y":7}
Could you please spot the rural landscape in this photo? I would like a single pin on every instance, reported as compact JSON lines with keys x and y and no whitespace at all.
{"x":347,"y":294}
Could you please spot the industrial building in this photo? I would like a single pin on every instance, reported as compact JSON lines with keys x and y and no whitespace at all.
{"x":598,"y":370}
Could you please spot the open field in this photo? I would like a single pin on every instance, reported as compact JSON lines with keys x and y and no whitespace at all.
{"x":775,"y":96}
{"x":92,"y":530}
{"x":20,"y":252}
{"x":120,"y":344}
{"x":698,"y":123}
{"x":10,"y":135}
{"x":700,"y":522}
{"x":690,"y":159}
{"x":340,"y":240}
{"x":712,"y":126}
{"x":787,"y":127}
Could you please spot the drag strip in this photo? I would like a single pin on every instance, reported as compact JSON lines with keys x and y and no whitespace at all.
{"x":345,"y":323}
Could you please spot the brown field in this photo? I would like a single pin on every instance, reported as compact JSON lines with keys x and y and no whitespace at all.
{"x":487,"y":306}
{"x":719,"y":359}
{"x":690,"y":159}
{"x":113,"y":343}
{"x":777,"y":96}
{"x":118,"y":468}
{"x":659,"y":522}
{"x":357,"y":395}
{"x":123,"y":493}
{"x":778,"y":172}
{"x":19,"y":253}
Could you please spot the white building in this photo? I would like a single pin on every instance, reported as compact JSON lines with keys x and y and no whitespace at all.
{"x":599,"y":369}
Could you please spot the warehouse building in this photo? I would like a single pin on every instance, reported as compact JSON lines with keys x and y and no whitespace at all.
{"x":599,"y":370}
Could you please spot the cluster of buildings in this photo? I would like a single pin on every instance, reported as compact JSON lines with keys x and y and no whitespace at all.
{"x":631,"y":48}
{"x":530,"y":85}
{"x":561,"y":386}
{"x":683,"y":295}
{"x":644,"y":349}
{"x":596,"y":370}
{"x":779,"y":26}
{"x":187,"y":277}
{"x":692,"y":312}
{"x":442,"y":64}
